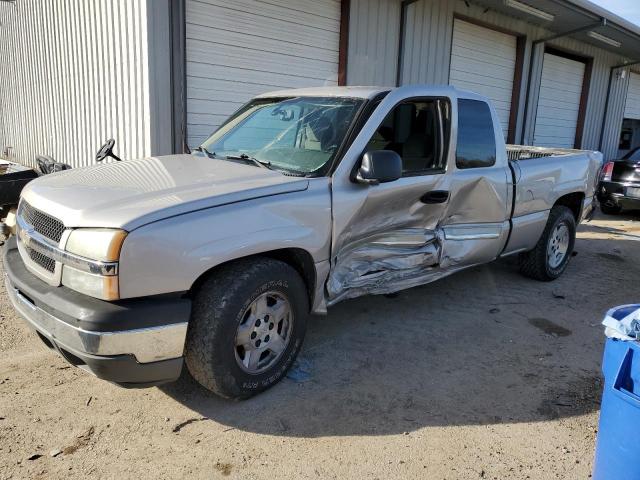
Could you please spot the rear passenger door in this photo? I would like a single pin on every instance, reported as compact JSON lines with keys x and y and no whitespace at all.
{"x":476,"y":221}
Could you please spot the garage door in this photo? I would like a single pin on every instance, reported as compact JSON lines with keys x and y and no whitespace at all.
{"x":238,"y":49}
{"x":632,"y":107}
{"x":484,"y":61}
{"x":558,"y":102}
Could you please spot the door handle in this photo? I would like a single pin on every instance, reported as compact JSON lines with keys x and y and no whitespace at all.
{"x":435,"y":196}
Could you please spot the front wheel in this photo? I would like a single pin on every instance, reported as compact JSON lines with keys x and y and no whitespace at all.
{"x":247,"y":326}
{"x":550,"y":257}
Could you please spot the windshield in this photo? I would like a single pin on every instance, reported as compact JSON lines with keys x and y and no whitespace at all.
{"x":296,"y":134}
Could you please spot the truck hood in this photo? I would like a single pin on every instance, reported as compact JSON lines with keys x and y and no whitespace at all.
{"x":133,"y":193}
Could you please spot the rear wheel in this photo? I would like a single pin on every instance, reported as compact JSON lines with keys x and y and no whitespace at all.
{"x":549,"y":259}
{"x":247,"y":326}
{"x":610,"y":209}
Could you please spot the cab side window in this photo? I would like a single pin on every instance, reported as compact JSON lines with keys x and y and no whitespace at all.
{"x":476,"y":136}
{"x":411,"y":130}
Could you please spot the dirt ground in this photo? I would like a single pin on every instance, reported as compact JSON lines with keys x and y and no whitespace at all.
{"x":485,"y":374}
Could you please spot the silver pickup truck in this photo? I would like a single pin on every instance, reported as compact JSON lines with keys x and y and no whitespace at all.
{"x":301,"y":199}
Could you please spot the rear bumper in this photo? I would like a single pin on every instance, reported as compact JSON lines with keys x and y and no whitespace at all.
{"x":614,"y":194}
{"x":137,"y":342}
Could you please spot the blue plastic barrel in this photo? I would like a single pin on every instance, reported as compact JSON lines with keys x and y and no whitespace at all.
{"x":618,"y":443}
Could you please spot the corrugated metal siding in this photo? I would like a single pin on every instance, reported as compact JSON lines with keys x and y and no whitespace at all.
{"x":615,"y":110}
{"x":74,"y":74}
{"x":427,"y":52}
{"x":632,"y":104}
{"x":373,"y":42}
{"x":427,"y":42}
{"x":236,"y":50}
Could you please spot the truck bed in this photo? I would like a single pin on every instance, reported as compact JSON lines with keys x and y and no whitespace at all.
{"x":557,"y":172}
{"x":525,"y":152}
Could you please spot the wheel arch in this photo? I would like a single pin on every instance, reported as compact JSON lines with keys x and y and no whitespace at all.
{"x":573,"y":201}
{"x":297,"y":258}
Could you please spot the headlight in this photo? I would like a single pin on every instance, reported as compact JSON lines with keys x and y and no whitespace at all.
{"x":101,"y":244}
{"x":98,"y":245}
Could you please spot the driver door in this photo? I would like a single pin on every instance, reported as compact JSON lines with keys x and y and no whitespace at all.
{"x":386,"y":236}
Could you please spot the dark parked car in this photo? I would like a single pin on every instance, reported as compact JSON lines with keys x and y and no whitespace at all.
{"x":620,"y":184}
{"x":13,"y":177}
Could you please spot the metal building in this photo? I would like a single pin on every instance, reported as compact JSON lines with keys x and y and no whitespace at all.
{"x":160,"y":75}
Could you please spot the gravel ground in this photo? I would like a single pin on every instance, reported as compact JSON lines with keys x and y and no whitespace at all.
{"x":485,"y":374}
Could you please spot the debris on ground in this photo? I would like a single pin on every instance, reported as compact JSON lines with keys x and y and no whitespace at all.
{"x":82,"y":441}
{"x":224,"y":468}
{"x":300,"y":371}
{"x":181,"y":425}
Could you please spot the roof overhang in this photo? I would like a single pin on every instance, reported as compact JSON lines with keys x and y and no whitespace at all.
{"x":610,"y":32}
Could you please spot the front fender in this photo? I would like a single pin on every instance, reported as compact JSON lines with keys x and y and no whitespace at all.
{"x":169,"y":255}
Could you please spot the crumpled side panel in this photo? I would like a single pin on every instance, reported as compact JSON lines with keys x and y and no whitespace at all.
{"x":474,"y":199}
{"x":405,"y":258}
{"x":386,"y":263}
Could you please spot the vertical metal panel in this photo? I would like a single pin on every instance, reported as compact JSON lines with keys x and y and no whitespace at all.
{"x":427,"y":42}
{"x":74,"y":74}
{"x":156,"y":81}
{"x":615,"y":113}
{"x":373,"y":42}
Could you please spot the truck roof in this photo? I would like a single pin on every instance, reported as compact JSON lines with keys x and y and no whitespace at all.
{"x":333,"y":91}
{"x":368,"y":92}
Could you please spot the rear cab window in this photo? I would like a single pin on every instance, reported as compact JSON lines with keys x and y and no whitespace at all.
{"x":476,"y":146}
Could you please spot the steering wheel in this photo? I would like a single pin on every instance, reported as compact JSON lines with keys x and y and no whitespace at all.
{"x":106,"y":150}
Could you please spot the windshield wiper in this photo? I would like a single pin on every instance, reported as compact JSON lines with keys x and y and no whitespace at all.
{"x":255,"y":161}
{"x":205,"y":151}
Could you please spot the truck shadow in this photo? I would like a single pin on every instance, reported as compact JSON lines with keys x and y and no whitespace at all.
{"x":484,"y":346}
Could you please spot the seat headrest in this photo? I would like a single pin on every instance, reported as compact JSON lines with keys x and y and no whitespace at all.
{"x":404,"y":116}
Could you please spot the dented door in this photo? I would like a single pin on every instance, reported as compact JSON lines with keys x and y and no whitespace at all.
{"x":392,"y":239}
{"x":425,"y":225}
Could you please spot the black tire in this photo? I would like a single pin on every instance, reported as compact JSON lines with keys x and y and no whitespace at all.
{"x":218,"y":308}
{"x":535,"y":263}
{"x":610,"y":209}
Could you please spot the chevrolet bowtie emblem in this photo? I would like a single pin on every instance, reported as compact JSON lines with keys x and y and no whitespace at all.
{"x":25,"y":235}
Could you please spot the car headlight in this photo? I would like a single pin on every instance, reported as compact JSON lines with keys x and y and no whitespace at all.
{"x":99,"y":246}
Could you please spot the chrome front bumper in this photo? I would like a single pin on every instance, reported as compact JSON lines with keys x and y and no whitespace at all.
{"x":147,"y":345}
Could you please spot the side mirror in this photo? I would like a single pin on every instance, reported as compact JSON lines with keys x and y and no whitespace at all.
{"x":106,"y":150}
{"x":379,"y":166}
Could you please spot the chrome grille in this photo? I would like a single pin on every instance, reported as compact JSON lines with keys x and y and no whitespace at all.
{"x":42,"y":223}
{"x":38,"y":258}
